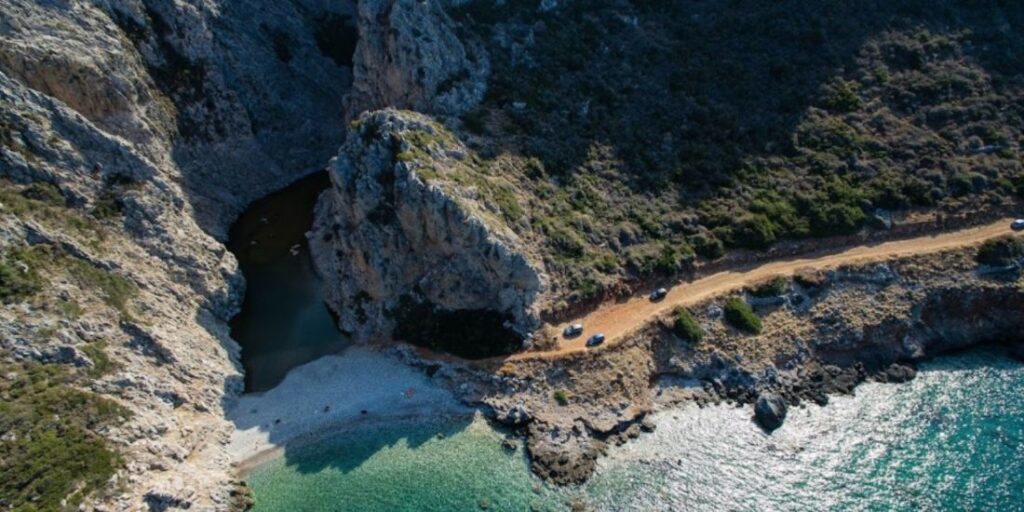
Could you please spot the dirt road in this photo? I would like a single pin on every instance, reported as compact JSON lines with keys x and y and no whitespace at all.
{"x":619,"y":319}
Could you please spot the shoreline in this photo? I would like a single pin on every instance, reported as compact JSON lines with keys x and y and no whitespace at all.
{"x":357,"y":389}
{"x":252,"y":462}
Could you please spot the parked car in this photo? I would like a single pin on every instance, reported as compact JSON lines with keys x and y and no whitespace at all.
{"x":573,"y":330}
{"x":1017,"y":225}
{"x":595,"y":340}
{"x":658,"y":294}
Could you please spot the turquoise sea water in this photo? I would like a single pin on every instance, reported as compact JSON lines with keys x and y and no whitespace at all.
{"x":953,"y":439}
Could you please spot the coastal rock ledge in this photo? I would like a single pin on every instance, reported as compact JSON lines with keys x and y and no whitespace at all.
{"x":408,"y":247}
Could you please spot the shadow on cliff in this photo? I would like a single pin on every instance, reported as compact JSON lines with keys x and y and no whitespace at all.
{"x":687,"y":92}
{"x":257,"y":109}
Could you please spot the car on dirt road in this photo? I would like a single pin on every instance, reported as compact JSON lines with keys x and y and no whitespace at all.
{"x":595,"y":340}
{"x":658,"y":294}
{"x":1017,"y":225}
{"x":573,"y":330}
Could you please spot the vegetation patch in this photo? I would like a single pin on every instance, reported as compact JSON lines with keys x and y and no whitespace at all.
{"x":772,"y":288}
{"x":19,"y":276}
{"x":713,"y":125}
{"x":561,"y":397}
{"x":46,"y":204}
{"x":115,"y":290}
{"x":51,"y":456}
{"x":1001,"y":252}
{"x":686,"y":327}
{"x":739,"y":314}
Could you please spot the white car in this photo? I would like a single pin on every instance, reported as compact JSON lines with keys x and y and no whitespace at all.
{"x":573,"y":330}
{"x":1017,"y":225}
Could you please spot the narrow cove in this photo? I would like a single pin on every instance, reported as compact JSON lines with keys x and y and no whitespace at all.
{"x":283,"y":322}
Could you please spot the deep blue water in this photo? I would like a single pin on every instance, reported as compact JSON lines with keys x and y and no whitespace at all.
{"x":953,"y":439}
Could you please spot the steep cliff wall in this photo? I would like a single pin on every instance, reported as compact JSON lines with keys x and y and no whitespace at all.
{"x":408,"y":225}
{"x":410,"y":57}
{"x":131,"y":132}
{"x":237,"y":97}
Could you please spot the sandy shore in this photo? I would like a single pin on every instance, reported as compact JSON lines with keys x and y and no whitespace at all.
{"x":329,"y":396}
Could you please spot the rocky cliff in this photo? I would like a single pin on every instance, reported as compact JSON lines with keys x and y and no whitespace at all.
{"x":408,"y":233}
{"x":131,"y":133}
{"x":410,"y":57}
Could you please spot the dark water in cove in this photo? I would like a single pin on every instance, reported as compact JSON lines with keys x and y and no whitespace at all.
{"x":284,"y":322}
{"x":952,"y":439}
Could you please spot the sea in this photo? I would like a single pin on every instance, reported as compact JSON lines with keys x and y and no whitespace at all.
{"x":950,"y":440}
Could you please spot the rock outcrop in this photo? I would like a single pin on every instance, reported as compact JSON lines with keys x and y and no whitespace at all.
{"x":410,"y":57}
{"x":770,"y":411}
{"x":403,"y":226}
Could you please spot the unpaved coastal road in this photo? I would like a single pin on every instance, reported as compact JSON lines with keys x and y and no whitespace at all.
{"x":616,"y":320}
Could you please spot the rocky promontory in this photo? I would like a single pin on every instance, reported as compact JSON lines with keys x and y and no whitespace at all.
{"x":407,"y":235}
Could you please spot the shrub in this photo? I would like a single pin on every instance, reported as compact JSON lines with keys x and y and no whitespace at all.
{"x":740,"y":316}
{"x":102,"y":364}
{"x":708,"y":246}
{"x":754,"y":232}
{"x":842,"y":97}
{"x":836,"y":219}
{"x":686,"y":327}
{"x":773,"y":288}
{"x":960,"y":185}
{"x":1001,"y":252}
{"x":561,"y":397}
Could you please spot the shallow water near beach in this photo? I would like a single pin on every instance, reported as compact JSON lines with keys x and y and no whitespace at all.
{"x":953,"y":439}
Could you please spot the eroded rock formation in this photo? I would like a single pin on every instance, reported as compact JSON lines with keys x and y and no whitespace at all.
{"x":401,"y":228}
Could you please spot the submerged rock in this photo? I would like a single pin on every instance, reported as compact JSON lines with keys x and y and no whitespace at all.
{"x":770,"y":411}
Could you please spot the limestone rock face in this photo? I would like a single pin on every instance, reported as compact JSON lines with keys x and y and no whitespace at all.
{"x":396,"y":226}
{"x":410,"y":57}
{"x":237,"y":95}
{"x":174,"y":115}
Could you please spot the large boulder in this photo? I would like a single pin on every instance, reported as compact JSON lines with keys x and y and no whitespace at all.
{"x":770,"y":411}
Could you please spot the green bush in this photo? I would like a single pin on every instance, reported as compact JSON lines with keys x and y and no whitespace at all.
{"x":51,"y":456}
{"x":561,"y":397}
{"x":842,"y":96}
{"x":772,"y":288}
{"x":708,"y":246}
{"x":686,"y":327}
{"x":836,"y":219}
{"x":1001,"y":252}
{"x":754,"y":232}
{"x":740,"y":316}
{"x":19,"y":278}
